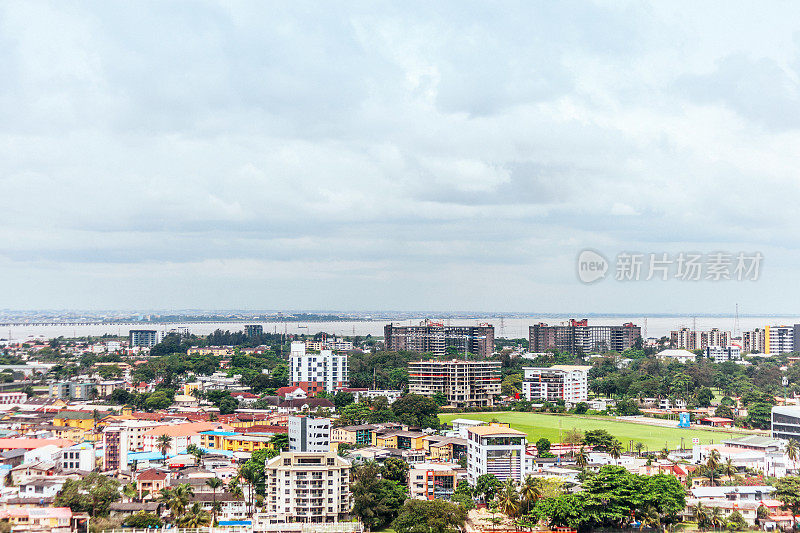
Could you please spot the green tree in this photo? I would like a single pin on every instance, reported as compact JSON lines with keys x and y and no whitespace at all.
{"x":787,"y":490}
{"x":143,"y":520}
{"x":376,"y":501}
{"x":543,"y":446}
{"x":735,"y":522}
{"x":214,"y":483}
{"x":280,"y":441}
{"x":430,"y":516}
{"x":164,"y":443}
{"x":395,"y":469}
{"x":759,"y":415}
{"x":530,"y":490}
{"x":487,"y":486}
{"x":599,"y":439}
{"x":418,"y":411}
{"x":93,"y":493}
{"x":194,"y":517}
{"x":508,"y":499}
{"x":566,"y":510}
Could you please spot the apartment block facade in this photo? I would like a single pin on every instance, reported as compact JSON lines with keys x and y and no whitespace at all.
{"x":431,"y":481}
{"x":436,"y":338}
{"x":560,"y":382}
{"x":464,"y":383}
{"x":688,"y":339}
{"x":307,"y":487}
{"x":496,"y":449}
{"x":143,"y":338}
{"x":578,"y":337}
{"x":307,"y":434}
{"x":317,"y":372}
{"x":720,"y":354}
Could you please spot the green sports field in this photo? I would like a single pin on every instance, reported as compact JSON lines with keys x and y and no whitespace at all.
{"x":538,"y":425}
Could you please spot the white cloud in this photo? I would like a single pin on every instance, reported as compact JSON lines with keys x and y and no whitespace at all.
{"x":387,"y":156}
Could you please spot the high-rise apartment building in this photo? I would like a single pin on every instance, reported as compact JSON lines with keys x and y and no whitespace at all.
{"x":578,"y":337}
{"x":720,"y":354}
{"x":115,"y":448}
{"x":463,"y":383}
{"x":496,"y":449}
{"x":688,"y":339}
{"x":307,"y":434}
{"x":317,"y":372}
{"x":778,"y":339}
{"x":436,"y":338}
{"x":143,"y":338}
{"x":560,"y":382}
{"x":753,"y":341}
{"x":306,"y":487}
{"x":254,"y":330}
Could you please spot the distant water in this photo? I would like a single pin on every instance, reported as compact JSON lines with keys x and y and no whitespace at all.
{"x":656,"y":326}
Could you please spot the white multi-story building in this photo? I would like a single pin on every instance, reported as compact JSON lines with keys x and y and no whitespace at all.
{"x":306,"y":487}
{"x":317,"y":372}
{"x":77,"y":457}
{"x":560,"y":382}
{"x":307,"y":434}
{"x":498,"y":450}
{"x":720,"y":354}
{"x":429,"y":481}
{"x":778,"y":339}
{"x":13,"y":398}
{"x":115,"y":448}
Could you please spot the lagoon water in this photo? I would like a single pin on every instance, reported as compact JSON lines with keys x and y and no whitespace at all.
{"x":656,"y":326}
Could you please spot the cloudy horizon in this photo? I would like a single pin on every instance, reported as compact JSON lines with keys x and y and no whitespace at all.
{"x":404,"y":156}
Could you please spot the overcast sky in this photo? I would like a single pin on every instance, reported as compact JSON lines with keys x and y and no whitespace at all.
{"x":416,"y":156}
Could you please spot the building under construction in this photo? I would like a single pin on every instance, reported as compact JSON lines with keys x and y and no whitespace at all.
{"x":437,"y":339}
{"x":463,"y":383}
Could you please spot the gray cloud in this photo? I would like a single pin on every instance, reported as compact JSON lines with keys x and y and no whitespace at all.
{"x":365,"y":155}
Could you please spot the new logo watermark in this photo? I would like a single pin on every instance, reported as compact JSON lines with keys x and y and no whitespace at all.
{"x":684,"y":266}
{"x":592,"y":266}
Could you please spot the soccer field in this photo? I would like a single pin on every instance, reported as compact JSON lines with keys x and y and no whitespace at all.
{"x":538,"y":425}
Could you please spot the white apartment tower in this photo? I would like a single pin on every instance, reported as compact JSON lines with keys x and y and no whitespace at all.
{"x":306,"y":487}
{"x":317,"y":372}
{"x":498,"y":450}
{"x":307,"y":434}
{"x":560,"y":382}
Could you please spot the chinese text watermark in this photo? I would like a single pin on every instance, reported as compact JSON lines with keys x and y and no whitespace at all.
{"x":682,"y":266}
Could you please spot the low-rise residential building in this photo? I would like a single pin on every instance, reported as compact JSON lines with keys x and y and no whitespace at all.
{"x":431,"y":481}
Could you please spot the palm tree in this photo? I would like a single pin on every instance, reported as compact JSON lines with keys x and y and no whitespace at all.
{"x":509,"y":499}
{"x":531,"y":491}
{"x":195,"y":517}
{"x":728,"y":469}
{"x":700,"y":515}
{"x":176,"y":499}
{"x":712,"y":464}
{"x":715,"y":518}
{"x":791,"y":450}
{"x":250,"y":474}
{"x":615,"y":451}
{"x":581,"y":458}
{"x":235,"y":488}
{"x":164,"y":443}
{"x":650,"y":518}
{"x":638,"y":446}
{"x":197,"y":451}
{"x":214,"y":483}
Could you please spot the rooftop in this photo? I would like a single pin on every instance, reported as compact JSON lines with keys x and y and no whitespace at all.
{"x":484,"y":431}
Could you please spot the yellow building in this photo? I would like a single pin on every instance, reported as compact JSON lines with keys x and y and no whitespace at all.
{"x":401,"y":440}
